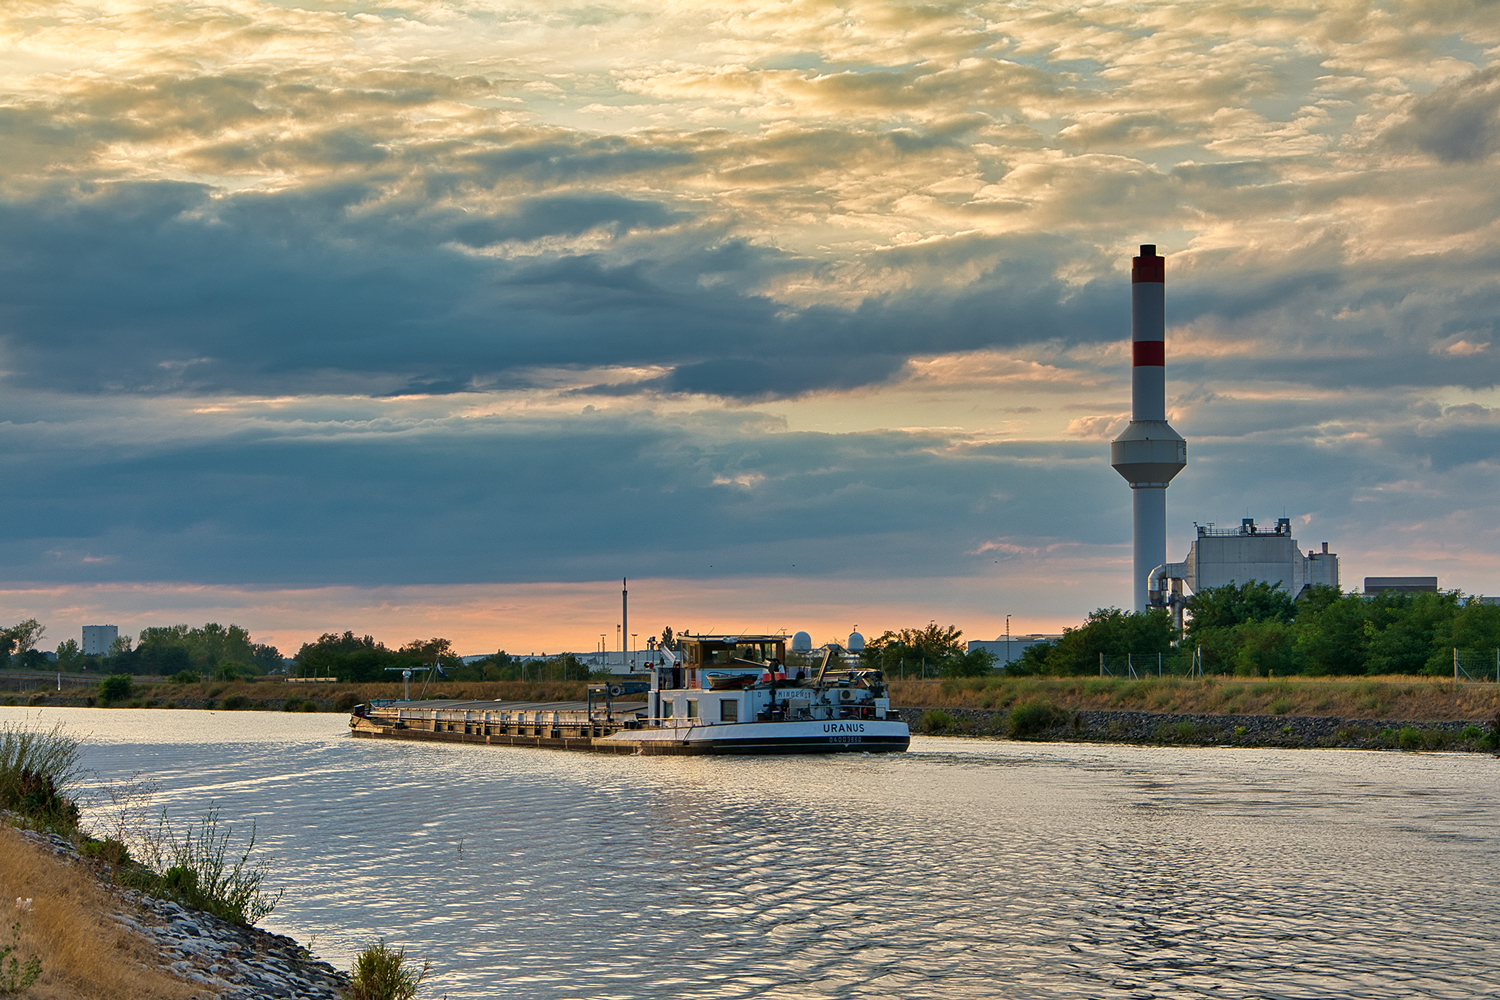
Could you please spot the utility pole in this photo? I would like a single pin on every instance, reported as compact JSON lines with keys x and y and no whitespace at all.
{"x":1007,"y":640}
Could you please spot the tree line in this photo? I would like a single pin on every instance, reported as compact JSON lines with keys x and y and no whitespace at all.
{"x":364,"y":659}
{"x":1257,"y":629}
{"x":212,"y":650}
{"x":933,"y":651}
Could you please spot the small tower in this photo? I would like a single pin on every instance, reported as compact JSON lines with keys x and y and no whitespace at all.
{"x":1149,"y":453}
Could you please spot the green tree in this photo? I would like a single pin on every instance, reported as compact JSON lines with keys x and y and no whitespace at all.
{"x":1473,"y":627}
{"x":1235,"y":604}
{"x":68,"y":656}
{"x":425,"y":652}
{"x":1402,"y":631}
{"x":267,"y":659}
{"x":115,"y":688}
{"x":350,"y":658}
{"x":20,"y":638}
{"x":1331,"y":635}
{"x":908,"y":650}
{"x":975,"y":663}
{"x":1265,"y":647}
{"x":1109,"y":631}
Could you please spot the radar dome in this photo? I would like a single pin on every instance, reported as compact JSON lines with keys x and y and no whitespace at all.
{"x":856,"y":642}
{"x":802,"y":643}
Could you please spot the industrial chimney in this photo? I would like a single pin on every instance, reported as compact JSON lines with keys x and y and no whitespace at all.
{"x":1150,"y":452}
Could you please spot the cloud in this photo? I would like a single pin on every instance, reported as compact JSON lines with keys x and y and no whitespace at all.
{"x":1458,"y":122}
{"x":454,"y":293}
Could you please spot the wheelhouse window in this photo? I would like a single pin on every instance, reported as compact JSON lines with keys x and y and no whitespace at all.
{"x":666,"y":710}
{"x":692,"y":708}
{"x":729,"y":710}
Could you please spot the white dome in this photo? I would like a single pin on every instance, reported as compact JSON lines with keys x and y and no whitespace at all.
{"x":801,"y":643}
{"x":856,"y":642}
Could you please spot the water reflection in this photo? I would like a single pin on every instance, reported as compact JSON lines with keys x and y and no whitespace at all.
{"x":961,"y":869}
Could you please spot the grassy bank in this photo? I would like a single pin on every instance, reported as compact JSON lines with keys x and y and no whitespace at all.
{"x":278,"y":696}
{"x":88,"y":956}
{"x":1394,"y":697}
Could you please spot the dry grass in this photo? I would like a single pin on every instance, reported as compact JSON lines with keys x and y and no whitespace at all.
{"x":1390,"y":697}
{"x":85,"y":956}
{"x":271,"y":694}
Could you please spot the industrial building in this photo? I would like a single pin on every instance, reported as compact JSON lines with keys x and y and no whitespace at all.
{"x":1008,"y":650}
{"x":1401,"y":584}
{"x":97,"y":639}
{"x":1149,"y":454}
{"x":1222,"y":556}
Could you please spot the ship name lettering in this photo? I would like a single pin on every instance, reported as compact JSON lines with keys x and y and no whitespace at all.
{"x":843,"y":727}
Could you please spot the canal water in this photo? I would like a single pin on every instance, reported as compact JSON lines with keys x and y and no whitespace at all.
{"x":964,"y":868}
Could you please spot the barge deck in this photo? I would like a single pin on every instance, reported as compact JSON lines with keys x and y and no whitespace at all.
{"x":727,"y":694}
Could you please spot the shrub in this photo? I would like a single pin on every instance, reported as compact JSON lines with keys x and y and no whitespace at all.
{"x":1470,"y":732}
{"x":186,"y":677}
{"x":1034,"y":718}
{"x":116,"y":687}
{"x":346,"y":701}
{"x":36,"y":769}
{"x":935,"y":720}
{"x":109,"y":850}
{"x":235,"y":702}
{"x":198,"y":870}
{"x":311,"y":706}
{"x":1281,"y":706}
{"x":292,"y":705}
{"x":1409,"y":738}
{"x":381,"y":974}
{"x":16,"y":976}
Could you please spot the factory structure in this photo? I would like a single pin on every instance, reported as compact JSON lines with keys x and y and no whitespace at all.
{"x":98,"y":639}
{"x":1149,"y":454}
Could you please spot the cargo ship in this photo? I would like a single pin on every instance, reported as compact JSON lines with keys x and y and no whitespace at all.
{"x":716,"y":694}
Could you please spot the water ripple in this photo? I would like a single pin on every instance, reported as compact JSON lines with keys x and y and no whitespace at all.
{"x":961,"y":869}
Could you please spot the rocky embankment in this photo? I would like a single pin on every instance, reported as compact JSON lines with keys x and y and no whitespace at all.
{"x":1209,"y":730}
{"x":229,"y":961}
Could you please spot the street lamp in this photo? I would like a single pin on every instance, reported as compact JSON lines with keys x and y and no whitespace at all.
{"x":1007,"y":640}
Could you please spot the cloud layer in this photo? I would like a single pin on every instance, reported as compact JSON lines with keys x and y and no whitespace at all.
{"x":455,"y":292}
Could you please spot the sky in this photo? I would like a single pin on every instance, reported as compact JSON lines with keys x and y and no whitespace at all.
{"x":440,"y":318}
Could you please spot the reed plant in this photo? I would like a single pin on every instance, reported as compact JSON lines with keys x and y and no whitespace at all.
{"x":381,"y":973}
{"x":37,"y":770}
{"x":1034,"y":718}
{"x":198,"y":870}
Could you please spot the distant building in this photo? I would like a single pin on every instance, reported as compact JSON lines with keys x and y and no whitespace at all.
{"x":1007,"y":651}
{"x":1401,"y":584}
{"x":97,"y":639}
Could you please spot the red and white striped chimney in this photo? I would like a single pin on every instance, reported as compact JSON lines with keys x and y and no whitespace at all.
{"x":1149,"y":453}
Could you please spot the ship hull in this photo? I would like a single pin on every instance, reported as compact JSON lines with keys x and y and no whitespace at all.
{"x":800,"y":737}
